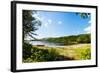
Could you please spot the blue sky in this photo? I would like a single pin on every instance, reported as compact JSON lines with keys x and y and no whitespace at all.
{"x":57,"y":24}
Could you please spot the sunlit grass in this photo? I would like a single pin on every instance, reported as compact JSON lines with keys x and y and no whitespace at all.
{"x":44,"y":53}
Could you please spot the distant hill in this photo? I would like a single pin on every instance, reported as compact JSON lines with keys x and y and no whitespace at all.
{"x":68,"y":40}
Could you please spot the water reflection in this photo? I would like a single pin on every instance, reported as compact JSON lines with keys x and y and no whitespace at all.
{"x":46,"y":43}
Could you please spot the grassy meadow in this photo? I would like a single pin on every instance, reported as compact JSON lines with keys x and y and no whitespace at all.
{"x":65,"y":53}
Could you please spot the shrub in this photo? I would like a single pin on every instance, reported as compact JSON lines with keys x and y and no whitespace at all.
{"x":26,"y":50}
{"x":86,"y":54}
{"x":42,"y":55}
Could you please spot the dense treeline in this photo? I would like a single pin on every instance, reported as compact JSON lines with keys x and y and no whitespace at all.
{"x":68,"y":40}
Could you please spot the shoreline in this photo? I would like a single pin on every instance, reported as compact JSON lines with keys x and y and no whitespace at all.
{"x":66,"y":46}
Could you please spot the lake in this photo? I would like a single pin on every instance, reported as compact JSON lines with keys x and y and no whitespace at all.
{"x":46,"y":43}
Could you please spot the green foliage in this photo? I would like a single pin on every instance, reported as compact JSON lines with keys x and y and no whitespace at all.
{"x":30,"y":23}
{"x":28,"y":60}
{"x":26,"y":50}
{"x":83,"y":15}
{"x":53,"y":54}
{"x":42,"y":55}
{"x":85,"y":54}
{"x":45,"y":54}
{"x":69,"y":40}
{"x":84,"y":39}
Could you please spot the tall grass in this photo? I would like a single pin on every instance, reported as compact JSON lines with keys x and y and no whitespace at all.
{"x":44,"y":54}
{"x":84,"y":54}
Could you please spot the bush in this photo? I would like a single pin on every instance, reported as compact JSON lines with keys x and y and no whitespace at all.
{"x":86,"y":54}
{"x":27,"y":50}
{"x":42,"y":55}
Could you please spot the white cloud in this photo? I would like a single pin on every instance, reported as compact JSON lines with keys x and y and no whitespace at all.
{"x":49,"y":21}
{"x":59,"y":22}
{"x":89,"y":22}
{"x":87,"y":29}
{"x":46,"y":24}
{"x":40,"y":37}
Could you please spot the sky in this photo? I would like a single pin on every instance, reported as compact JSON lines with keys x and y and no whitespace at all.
{"x":57,"y":24}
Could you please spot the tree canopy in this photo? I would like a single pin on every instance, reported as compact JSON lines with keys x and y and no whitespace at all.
{"x":83,"y":15}
{"x":30,"y":23}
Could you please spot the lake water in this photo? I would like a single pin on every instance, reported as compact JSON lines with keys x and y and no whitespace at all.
{"x":46,"y":43}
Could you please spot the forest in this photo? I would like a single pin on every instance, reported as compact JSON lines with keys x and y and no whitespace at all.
{"x":69,"y":40}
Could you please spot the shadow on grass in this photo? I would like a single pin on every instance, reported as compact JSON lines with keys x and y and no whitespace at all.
{"x":43,"y":55}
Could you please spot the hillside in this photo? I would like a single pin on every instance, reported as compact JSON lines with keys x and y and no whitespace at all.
{"x":69,"y":40}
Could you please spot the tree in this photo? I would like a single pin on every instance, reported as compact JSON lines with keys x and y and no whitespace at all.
{"x":83,"y":15}
{"x":30,"y":23}
{"x":84,"y":38}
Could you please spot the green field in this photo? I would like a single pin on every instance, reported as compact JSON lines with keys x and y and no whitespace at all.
{"x":66,"y":53}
